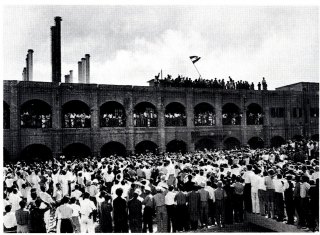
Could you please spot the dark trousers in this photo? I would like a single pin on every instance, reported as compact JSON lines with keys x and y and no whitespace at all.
{"x":204,"y":212}
{"x":66,"y":226}
{"x":171,"y":211}
{"x":247,"y":198}
{"x":279,"y":206}
{"x":212,"y":211}
{"x":304,"y":205}
{"x":121,"y":226}
{"x":290,"y":210}
{"x":182,"y":219}
{"x":238,"y":208}
{"x":135,"y":225}
{"x":147,"y":219}
{"x":297,"y":205}
{"x":262,"y":201}
{"x":220,"y":212}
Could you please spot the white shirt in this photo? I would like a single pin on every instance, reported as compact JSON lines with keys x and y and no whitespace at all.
{"x":169,"y":198}
{"x":9,"y":220}
{"x":278,"y":185}
{"x":14,"y":200}
{"x":76,"y":209}
{"x":86,"y":207}
{"x":262,"y":185}
{"x":247,"y":177}
{"x":211,"y":192}
{"x":255,"y":179}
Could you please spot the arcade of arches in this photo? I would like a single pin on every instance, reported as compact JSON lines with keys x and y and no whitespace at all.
{"x":112,"y":114}
{"x":145,"y":115}
{"x":204,"y":115}
{"x":256,"y":142}
{"x":176,"y":146}
{"x":146,"y":146}
{"x":175,"y":115}
{"x":254,"y":114}
{"x":231,"y":114}
{"x":113,"y":148}
{"x":35,"y":114}
{"x":76,"y":149}
{"x":76,"y":114}
{"x":36,"y":152}
{"x":205,"y":143}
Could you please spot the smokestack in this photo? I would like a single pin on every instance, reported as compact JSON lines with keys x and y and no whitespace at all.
{"x":71,"y":76}
{"x":56,"y":49}
{"x":24,"y":74}
{"x":87,"y":68}
{"x":30,"y":64}
{"x":27,"y":68}
{"x":53,"y":53}
{"x":83,"y":68}
{"x":79,"y":72}
{"x":67,"y":78}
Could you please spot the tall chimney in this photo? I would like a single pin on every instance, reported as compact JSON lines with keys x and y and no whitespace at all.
{"x":87,"y":68}
{"x":53,"y":53}
{"x":79,"y":72}
{"x":71,"y":76}
{"x":83,"y":72}
{"x":56,"y":49}
{"x":67,"y":78}
{"x":30,"y":65}
{"x":24,"y":74}
{"x":27,"y":68}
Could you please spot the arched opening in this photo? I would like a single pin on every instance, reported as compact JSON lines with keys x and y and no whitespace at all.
{"x":6,"y":115}
{"x":256,"y":143}
{"x":297,"y":137}
{"x":254,"y":114}
{"x":6,"y":155}
{"x":145,"y":115}
{"x":204,"y":115}
{"x":231,"y":143}
{"x":113,"y":148}
{"x":36,"y":152}
{"x":146,"y":146}
{"x":315,"y":137}
{"x":176,"y":146}
{"x":35,"y":114}
{"x":76,"y":150}
{"x":175,"y":115}
{"x":231,"y":114}
{"x":277,"y":141}
{"x":205,"y":143}
{"x":112,"y":114}
{"x":76,"y":114}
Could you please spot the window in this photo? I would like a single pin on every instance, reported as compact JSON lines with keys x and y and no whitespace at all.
{"x":297,"y":112}
{"x":314,"y":112}
{"x":277,"y":112}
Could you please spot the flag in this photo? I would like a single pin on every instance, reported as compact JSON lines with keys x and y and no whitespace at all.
{"x":194,"y":59}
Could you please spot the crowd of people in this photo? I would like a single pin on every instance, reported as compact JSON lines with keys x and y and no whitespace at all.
{"x":77,"y":120}
{"x":117,"y":119}
{"x":175,"y":119}
{"x":206,"y":118}
{"x":180,"y":192}
{"x":29,"y":120}
{"x":231,"y":84}
{"x":148,"y":118}
{"x":254,"y":119}
{"x":231,"y":118}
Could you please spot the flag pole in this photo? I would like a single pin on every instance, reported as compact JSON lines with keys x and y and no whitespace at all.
{"x":196,"y":69}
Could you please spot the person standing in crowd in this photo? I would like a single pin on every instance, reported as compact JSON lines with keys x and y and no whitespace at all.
{"x":171,"y":209}
{"x":238,"y":200}
{"x":161,"y":211}
{"x":211,"y":203}
{"x":270,"y":193}
{"x":279,"y":187}
{"x":288,"y":198}
{"x":65,"y":215}
{"x":148,"y":211}
{"x":304,"y":200}
{"x":9,"y":220}
{"x":75,"y":215}
{"x":193,"y":200}
{"x":181,"y":211}
{"x":87,"y":208}
{"x":135,"y":213}
{"x":120,"y":213}
{"x":37,"y":222}
{"x":23,"y":218}
{"x":247,"y":176}
{"x":262,"y":193}
{"x":105,"y":214}
{"x":220,"y":195}
{"x":204,"y":205}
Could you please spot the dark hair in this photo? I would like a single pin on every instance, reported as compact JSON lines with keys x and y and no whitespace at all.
{"x":119,"y":192}
{"x":22,"y":204}
{"x":8,"y":208}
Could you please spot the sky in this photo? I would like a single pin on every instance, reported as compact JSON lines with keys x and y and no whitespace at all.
{"x":129,"y":45}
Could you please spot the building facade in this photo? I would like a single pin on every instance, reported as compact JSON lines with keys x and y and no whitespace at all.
{"x":45,"y":119}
